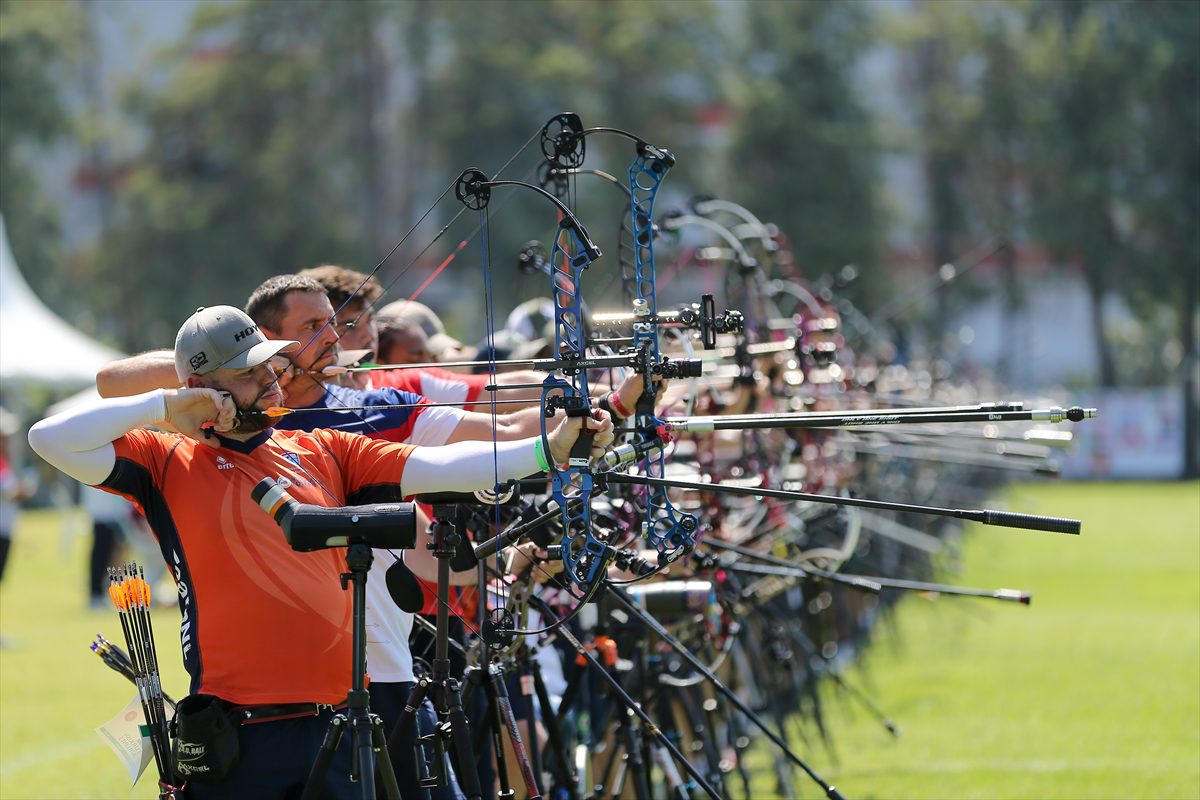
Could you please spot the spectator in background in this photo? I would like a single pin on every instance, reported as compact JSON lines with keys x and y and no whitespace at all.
{"x":10,"y":487}
{"x":120,"y":532}
{"x":108,"y":513}
{"x":111,"y":518}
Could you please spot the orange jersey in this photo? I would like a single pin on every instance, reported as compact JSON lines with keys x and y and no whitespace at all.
{"x":261,"y":623}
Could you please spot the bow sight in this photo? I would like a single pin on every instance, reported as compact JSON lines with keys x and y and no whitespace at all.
{"x":700,"y":316}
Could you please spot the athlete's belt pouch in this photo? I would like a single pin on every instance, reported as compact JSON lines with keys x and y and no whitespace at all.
{"x":206,"y":739}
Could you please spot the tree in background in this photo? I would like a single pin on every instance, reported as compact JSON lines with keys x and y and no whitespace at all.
{"x":38,"y":42}
{"x":261,"y":158}
{"x":1000,"y":148}
{"x":1162,"y":203}
{"x":946,"y":113}
{"x":961,"y":76}
{"x":1049,"y":123}
{"x":505,"y":68}
{"x":1086,"y":63}
{"x":280,"y":136}
{"x":803,"y":147}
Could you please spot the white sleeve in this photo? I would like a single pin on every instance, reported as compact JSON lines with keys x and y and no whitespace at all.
{"x":79,"y":441}
{"x":468,"y":466}
{"x":443,"y":390}
{"x":435,"y":425}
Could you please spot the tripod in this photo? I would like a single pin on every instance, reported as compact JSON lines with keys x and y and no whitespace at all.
{"x":640,"y":613}
{"x":500,"y":720}
{"x":445,"y":689}
{"x":366,"y":729}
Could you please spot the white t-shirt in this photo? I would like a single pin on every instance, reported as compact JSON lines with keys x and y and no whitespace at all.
{"x":389,"y":657}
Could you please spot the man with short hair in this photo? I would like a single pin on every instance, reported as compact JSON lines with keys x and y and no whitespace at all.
{"x":265,"y":628}
{"x":297,"y":308}
{"x":352,"y":295}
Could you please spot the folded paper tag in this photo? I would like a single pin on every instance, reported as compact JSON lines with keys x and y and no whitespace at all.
{"x":123,"y":733}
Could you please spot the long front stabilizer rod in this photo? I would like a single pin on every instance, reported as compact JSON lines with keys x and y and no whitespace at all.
{"x":867,"y":418}
{"x":1005,"y":519}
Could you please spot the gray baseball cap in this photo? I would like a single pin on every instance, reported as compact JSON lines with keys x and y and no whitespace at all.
{"x":221,"y":337}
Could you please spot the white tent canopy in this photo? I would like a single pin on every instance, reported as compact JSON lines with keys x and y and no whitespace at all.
{"x":36,"y":345}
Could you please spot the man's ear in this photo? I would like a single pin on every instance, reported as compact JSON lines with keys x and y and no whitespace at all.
{"x":195,"y":382}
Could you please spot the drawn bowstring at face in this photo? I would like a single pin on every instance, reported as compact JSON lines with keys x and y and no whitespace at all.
{"x":353,"y":296}
{"x":222,"y":348}
{"x":296,"y":307}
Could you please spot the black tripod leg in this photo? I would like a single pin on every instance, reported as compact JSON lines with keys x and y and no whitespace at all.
{"x":460,"y":732}
{"x":316,"y":776}
{"x":383,"y":764}
{"x":473,"y":688}
{"x":610,"y":761}
{"x":496,"y":730}
{"x":571,"y":693}
{"x":559,"y":762}
{"x":525,"y":676}
{"x":408,"y":721}
{"x":507,"y":721}
{"x":363,"y":749}
{"x":757,"y":675}
{"x":736,"y":742}
{"x":634,"y":760}
{"x":693,"y":711}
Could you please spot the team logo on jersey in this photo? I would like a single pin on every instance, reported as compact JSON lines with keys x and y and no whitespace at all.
{"x":223,"y":463}
{"x":293,"y":457}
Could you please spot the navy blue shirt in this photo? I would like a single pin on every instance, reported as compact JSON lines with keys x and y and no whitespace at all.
{"x":373,"y":415}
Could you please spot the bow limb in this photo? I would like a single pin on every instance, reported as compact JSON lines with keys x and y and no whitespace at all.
{"x":566,"y":387}
{"x":564,"y":144}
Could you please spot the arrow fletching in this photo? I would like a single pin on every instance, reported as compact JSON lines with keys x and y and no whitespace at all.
{"x":117,"y":593}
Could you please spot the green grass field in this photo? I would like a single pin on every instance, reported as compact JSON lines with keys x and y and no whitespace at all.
{"x":1094,"y":691}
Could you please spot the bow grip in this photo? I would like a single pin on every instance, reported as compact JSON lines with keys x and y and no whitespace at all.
{"x":581,"y":451}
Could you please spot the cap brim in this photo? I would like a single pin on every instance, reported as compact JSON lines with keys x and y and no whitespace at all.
{"x":439,"y":343}
{"x":258,"y":354}
{"x":348,"y":358}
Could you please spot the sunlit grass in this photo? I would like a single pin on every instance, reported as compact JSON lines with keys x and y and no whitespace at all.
{"x":53,"y":690}
{"x":1094,"y":691}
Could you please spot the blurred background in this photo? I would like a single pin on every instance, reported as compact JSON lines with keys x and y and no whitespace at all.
{"x":1009,"y":189}
{"x":157,"y":156}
